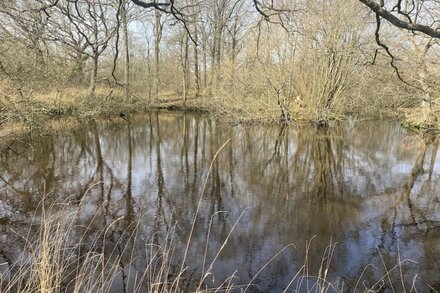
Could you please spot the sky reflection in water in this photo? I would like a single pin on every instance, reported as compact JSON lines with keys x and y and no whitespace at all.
{"x":371,"y":188}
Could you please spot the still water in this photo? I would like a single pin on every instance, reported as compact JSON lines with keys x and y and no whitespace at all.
{"x":286,"y":199}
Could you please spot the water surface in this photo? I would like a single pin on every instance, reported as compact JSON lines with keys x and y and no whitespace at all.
{"x":370,"y":189}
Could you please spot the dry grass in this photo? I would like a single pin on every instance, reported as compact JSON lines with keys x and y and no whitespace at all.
{"x":242,"y":109}
{"x":424,"y":118}
{"x":31,"y":110}
{"x":56,"y":259}
{"x":63,"y":253}
{"x":52,"y":261}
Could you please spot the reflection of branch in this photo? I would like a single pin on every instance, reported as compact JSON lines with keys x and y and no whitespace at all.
{"x":277,"y":146}
{"x":434,"y":224}
{"x":433,"y":159}
{"x":104,"y":164}
{"x":416,"y":172}
{"x":9,"y":185}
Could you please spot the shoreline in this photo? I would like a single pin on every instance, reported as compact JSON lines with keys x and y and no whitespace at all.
{"x":11,"y":132}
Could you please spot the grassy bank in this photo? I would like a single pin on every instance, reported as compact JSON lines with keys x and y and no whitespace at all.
{"x":34,"y":113}
{"x":424,"y":120}
{"x":31,"y":113}
{"x":37,"y":113}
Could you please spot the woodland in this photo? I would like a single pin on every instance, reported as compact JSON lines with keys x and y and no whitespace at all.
{"x":240,"y":60}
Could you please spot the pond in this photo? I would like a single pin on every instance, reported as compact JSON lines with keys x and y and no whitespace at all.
{"x":271,"y":205}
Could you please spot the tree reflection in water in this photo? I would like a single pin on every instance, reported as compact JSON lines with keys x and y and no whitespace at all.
{"x":371,"y":189}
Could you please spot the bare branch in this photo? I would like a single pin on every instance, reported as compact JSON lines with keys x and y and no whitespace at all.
{"x":154,"y":4}
{"x":410,"y":26}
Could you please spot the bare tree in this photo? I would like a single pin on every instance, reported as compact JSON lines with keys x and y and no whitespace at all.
{"x":249,"y":56}
{"x":92,"y":20}
{"x":27,"y":27}
{"x":195,"y":16}
{"x":158,"y":28}
{"x":125,"y":20}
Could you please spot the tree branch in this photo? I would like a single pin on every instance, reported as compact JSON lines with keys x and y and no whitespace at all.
{"x":154,"y":4}
{"x":414,"y":27}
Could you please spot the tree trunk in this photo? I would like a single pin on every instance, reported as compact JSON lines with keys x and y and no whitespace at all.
{"x":216,"y":55}
{"x":234,"y":53}
{"x":95,"y":57}
{"x":196,"y":56}
{"x":126,"y":53}
{"x":157,"y":37}
{"x":213,"y":49}
{"x":94,"y":76}
{"x":78,"y":74}
{"x":205,"y":62}
{"x":185,"y":67}
{"x":150,"y":83}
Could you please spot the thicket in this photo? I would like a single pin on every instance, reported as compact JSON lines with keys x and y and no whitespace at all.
{"x":308,"y":61}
